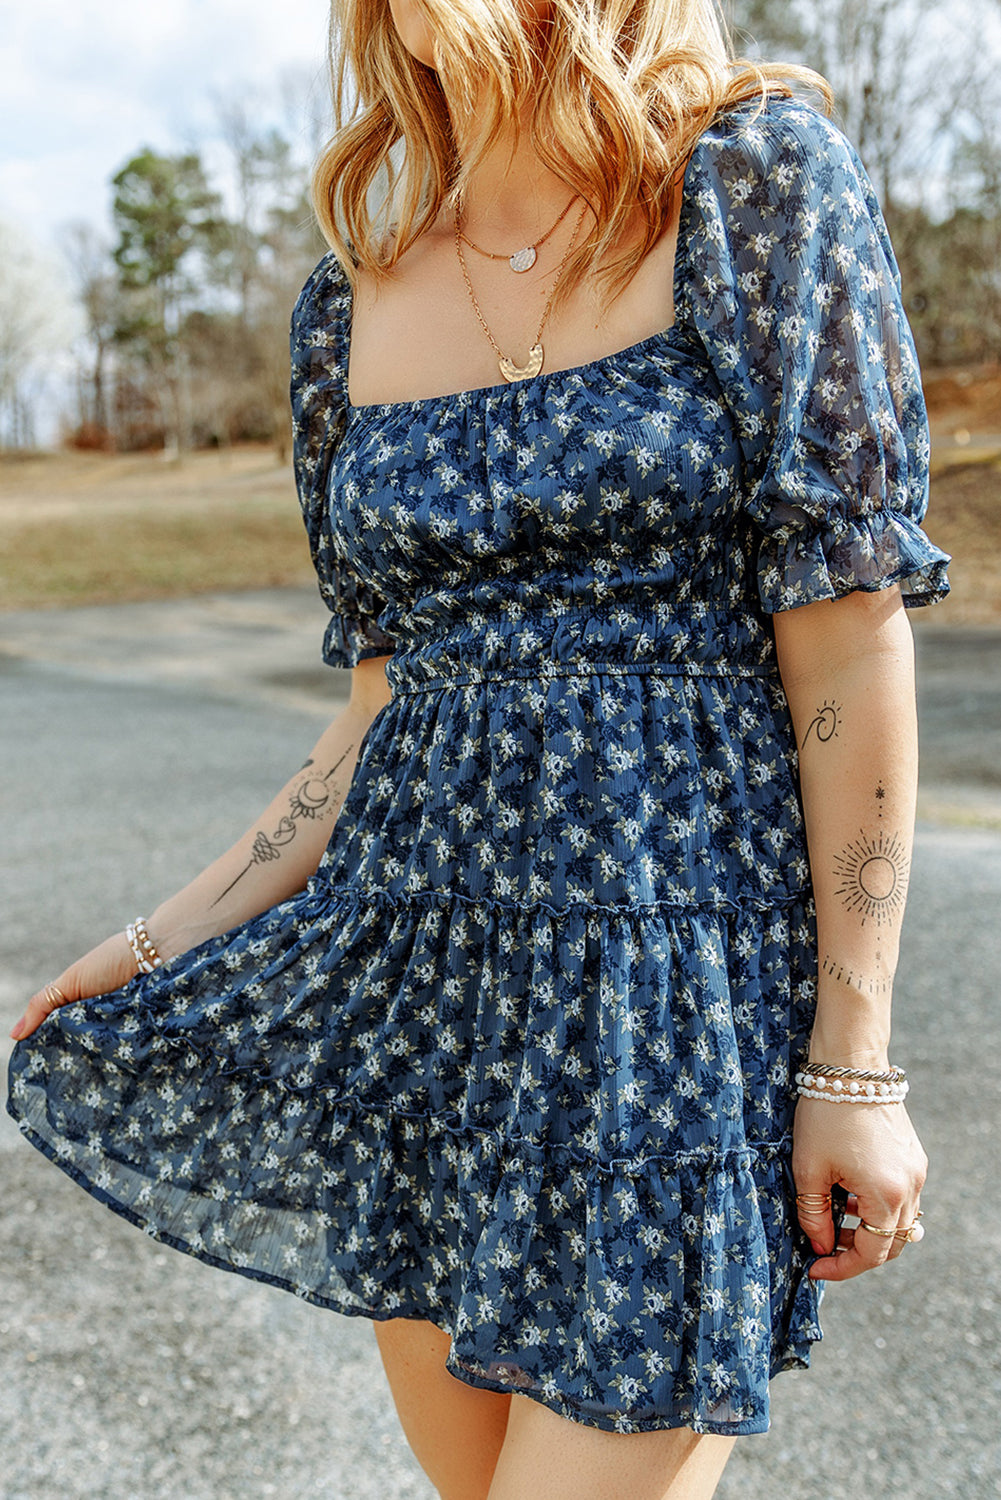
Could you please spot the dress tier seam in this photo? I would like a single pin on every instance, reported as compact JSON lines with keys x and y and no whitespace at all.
{"x":594,"y":669}
{"x":506,"y":1148}
{"x":384,"y":895}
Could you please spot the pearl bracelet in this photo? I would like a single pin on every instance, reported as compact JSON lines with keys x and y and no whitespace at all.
{"x":851,"y":1085}
{"x":143,"y":950}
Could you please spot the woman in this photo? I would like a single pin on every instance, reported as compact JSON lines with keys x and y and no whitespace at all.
{"x":538,"y":1056}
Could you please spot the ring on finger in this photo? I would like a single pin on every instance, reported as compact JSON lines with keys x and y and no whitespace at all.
{"x":912,"y":1234}
{"x":813,"y":1200}
{"x":54,"y":996}
{"x":887,"y":1234}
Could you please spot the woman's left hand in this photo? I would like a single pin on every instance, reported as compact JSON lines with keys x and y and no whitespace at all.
{"x":874,"y":1152}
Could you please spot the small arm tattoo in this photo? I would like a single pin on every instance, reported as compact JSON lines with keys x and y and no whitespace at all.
{"x":853,"y":978}
{"x":311,"y":798}
{"x":872,"y":871}
{"x":825,"y":723}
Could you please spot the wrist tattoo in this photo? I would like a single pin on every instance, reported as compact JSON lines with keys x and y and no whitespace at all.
{"x":872,"y":871}
{"x":854,"y":979}
{"x":825,"y":723}
{"x":313,"y":797}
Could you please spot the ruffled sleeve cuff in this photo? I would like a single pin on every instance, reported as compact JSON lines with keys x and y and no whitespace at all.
{"x":868,"y":553}
{"x":354,"y":632}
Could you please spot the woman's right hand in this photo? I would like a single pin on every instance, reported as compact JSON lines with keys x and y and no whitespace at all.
{"x":106,"y":967}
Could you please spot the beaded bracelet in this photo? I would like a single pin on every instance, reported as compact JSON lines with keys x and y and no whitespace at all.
{"x":143,"y":950}
{"x":851,"y":1085}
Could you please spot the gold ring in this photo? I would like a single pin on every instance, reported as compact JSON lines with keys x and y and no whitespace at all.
{"x":888,"y":1234}
{"x":814,"y":1200}
{"x":54,"y":996}
{"x":912,"y":1234}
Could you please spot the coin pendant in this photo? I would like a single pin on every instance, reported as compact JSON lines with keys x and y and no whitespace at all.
{"x":523,"y":260}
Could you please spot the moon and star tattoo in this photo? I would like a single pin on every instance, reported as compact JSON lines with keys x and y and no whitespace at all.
{"x":313,"y":797}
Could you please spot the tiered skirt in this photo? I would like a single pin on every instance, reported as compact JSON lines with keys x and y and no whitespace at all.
{"x":518,"y":1060}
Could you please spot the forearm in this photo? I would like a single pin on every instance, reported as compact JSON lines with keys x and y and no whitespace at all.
{"x":276,"y":856}
{"x":848,"y":674}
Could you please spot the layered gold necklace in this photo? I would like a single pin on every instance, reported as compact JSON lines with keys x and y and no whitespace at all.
{"x":537,"y":354}
{"x":525,"y":258}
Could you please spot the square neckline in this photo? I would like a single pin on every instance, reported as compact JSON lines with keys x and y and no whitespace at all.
{"x":664,"y":336}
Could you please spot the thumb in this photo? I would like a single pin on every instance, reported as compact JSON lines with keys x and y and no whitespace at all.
{"x":43,"y":1002}
{"x":813,"y":1209}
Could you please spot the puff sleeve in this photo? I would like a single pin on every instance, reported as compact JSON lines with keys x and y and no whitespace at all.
{"x":795,"y":294}
{"x":318,"y":399}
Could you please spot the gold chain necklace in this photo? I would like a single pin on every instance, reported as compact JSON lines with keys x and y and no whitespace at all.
{"x":524,"y":259}
{"x":536,"y":354}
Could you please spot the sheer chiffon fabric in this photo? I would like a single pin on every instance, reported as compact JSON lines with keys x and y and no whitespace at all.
{"x":519,"y":1058}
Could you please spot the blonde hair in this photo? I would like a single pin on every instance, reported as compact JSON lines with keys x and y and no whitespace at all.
{"x":620,"y":92}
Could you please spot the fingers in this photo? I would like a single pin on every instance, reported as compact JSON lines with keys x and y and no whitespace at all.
{"x":107,"y":967}
{"x":816,"y":1220}
{"x":877,"y":1238}
{"x":909,"y":1231}
{"x":51,"y":997}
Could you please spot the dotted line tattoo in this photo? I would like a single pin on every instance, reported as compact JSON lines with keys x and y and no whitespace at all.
{"x":826,"y":723}
{"x":312,"y":798}
{"x":873,"y":876}
{"x":855,"y":981}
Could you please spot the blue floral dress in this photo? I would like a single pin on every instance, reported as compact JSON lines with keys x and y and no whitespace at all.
{"x":518,"y":1058}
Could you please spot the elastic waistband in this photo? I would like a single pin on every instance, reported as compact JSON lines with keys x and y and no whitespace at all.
{"x":562,"y":643}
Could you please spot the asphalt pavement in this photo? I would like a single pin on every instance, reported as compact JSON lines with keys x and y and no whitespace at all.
{"x":137,"y":742}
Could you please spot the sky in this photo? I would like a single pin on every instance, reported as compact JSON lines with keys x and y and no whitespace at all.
{"x":87,"y":83}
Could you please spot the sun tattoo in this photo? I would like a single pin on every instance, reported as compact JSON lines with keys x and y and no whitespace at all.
{"x":873,"y":876}
{"x":826,"y":723}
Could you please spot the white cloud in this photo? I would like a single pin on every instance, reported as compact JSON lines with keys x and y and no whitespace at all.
{"x":88,"y":84}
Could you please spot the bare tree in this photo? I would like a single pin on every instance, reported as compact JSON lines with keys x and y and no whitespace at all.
{"x":37,"y":323}
{"x":88,"y":255}
{"x":916,"y":85}
{"x":276,"y":244}
{"x":899,"y":70}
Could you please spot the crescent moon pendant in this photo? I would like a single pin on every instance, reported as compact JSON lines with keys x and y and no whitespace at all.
{"x":511,"y":371}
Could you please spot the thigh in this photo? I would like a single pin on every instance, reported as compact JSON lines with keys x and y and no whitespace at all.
{"x":549,"y":1457}
{"x":454,"y":1429}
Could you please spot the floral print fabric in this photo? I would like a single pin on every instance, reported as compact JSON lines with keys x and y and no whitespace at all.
{"x":518,"y":1059}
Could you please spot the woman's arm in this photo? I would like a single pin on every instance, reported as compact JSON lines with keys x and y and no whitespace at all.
{"x":847,"y":667}
{"x":272,"y":860}
{"x":276,"y":856}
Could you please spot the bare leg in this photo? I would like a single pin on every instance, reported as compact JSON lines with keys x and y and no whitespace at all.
{"x":455,"y":1430}
{"x":547,"y":1457}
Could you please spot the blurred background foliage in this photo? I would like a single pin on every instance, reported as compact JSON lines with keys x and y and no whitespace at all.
{"x":183,"y":309}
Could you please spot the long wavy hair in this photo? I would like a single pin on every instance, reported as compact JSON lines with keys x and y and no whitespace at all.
{"x":619,"y":91}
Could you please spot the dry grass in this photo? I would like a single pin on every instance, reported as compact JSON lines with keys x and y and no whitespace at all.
{"x":964,"y":517}
{"x":88,"y":528}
